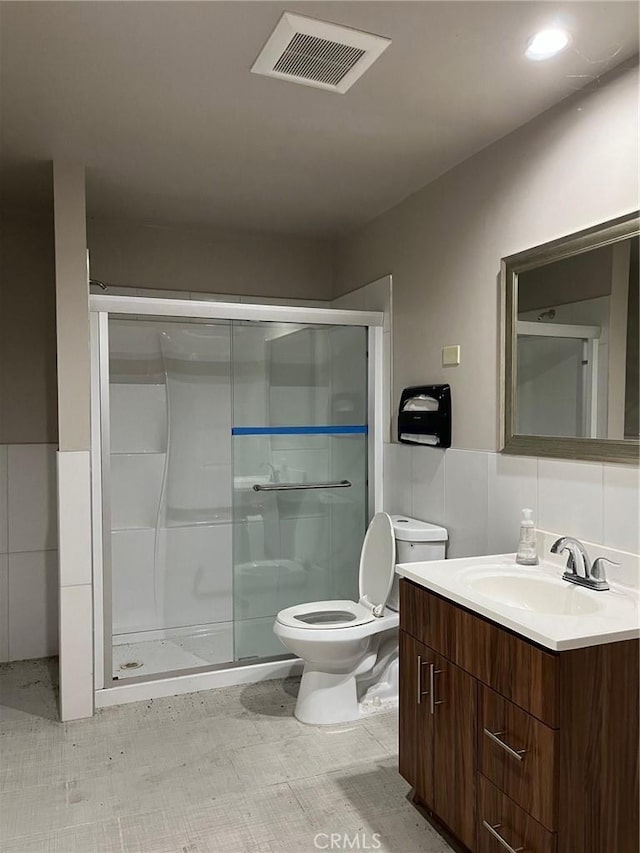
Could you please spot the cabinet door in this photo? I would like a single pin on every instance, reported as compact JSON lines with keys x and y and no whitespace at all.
{"x":453,"y":697}
{"x":416,"y":720}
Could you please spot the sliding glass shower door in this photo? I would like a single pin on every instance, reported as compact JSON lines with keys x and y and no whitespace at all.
{"x":169,"y":484}
{"x":300,"y":471}
{"x":234,"y":482}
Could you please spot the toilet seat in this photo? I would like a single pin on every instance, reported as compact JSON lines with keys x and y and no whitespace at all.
{"x":377,"y":569}
{"x":316,"y":615}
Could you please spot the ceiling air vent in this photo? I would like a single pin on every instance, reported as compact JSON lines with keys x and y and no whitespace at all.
{"x":314,"y":53}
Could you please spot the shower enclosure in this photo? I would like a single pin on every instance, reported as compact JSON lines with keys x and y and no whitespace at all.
{"x":236,"y":448}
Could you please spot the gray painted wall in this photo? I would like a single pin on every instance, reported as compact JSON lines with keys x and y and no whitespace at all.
{"x":570,"y":168}
{"x":28,"y":395}
{"x":132,"y":255}
{"x":212,"y":261}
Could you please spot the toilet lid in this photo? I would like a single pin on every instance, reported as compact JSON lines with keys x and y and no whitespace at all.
{"x":377,"y":561}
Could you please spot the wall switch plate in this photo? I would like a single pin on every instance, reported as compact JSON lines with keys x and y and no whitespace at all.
{"x":450,"y":356}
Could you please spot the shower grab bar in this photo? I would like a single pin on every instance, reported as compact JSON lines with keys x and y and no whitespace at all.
{"x":290,"y":487}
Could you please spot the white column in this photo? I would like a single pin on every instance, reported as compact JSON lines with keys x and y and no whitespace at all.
{"x":74,"y":493}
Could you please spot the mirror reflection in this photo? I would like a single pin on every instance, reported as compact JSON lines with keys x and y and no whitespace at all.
{"x":577,"y":345}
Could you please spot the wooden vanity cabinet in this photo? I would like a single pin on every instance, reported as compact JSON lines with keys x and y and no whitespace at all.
{"x":507,"y":744}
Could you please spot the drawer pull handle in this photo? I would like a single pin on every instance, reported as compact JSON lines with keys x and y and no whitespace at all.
{"x":421,"y":692}
{"x":514,"y":753}
{"x":493,"y":831}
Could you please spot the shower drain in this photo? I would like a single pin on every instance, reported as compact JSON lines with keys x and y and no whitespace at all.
{"x":131,"y":664}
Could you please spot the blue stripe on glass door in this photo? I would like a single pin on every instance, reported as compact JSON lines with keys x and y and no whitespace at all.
{"x":354,"y":429}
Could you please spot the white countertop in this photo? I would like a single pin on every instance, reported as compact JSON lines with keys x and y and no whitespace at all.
{"x":558,"y":615}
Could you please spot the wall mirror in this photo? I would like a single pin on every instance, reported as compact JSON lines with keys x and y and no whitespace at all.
{"x":571,"y":359}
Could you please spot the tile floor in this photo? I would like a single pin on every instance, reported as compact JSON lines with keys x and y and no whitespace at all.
{"x":215,"y":772}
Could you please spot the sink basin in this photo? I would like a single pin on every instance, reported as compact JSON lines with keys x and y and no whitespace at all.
{"x":537,"y":595}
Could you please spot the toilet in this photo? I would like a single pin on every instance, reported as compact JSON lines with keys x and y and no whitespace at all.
{"x":349,"y":648}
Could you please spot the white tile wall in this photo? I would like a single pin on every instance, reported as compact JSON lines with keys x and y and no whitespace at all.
{"x":570,"y":498}
{"x":32,"y":497}
{"x":483,"y":495}
{"x":28,"y":561}
{"x":428,"y":484}
{"x":74,"y":517}
{"x":621,"y":497}
{"x":466,"y":501}
{"x":512,"y":486}
{"x":33,"y":604}
{"x":76,"y":647}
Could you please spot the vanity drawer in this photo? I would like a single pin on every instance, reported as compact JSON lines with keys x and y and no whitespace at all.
{"x":500,"y":816}
{"x":518,"y":754}
{"x":517,"y":669}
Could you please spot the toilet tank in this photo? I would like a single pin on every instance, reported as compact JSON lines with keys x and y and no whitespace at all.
{"x":416,"y":542}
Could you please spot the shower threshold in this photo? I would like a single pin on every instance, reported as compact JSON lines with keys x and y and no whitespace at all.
{"x":141,"y":687}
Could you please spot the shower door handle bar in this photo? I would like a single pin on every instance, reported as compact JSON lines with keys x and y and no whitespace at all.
{"x":290,"y":487}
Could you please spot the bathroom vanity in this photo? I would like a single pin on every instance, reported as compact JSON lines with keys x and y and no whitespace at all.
{"x":510,"y":744}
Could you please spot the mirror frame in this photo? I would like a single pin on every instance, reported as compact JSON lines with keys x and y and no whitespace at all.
{"x":591,"y":449}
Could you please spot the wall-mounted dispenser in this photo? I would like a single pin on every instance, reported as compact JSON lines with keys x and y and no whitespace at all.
{"x":425,"y":415}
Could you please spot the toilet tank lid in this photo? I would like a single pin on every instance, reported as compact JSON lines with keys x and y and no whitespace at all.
{"x":412,"y":530}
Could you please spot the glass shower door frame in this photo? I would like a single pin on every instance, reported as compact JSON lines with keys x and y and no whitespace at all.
{"x":101,"y":307}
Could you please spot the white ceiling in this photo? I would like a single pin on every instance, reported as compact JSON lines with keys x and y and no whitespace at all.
{"x":158,"y":101}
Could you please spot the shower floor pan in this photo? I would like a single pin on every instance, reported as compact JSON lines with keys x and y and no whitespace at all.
{"x":136,"y":655}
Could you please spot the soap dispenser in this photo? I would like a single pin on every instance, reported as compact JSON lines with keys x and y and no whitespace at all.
{"x":527,"y":554}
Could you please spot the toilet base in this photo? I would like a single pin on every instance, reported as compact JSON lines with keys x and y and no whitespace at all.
{"x":326,"y":697}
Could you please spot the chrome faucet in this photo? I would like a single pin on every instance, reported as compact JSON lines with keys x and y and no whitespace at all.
{"x":579,"y":569}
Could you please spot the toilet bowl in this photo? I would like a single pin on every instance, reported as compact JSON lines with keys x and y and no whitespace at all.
{"x":350,"y":649}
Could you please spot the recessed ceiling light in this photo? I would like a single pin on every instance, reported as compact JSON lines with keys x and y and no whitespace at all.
{"x":546,"y":44}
